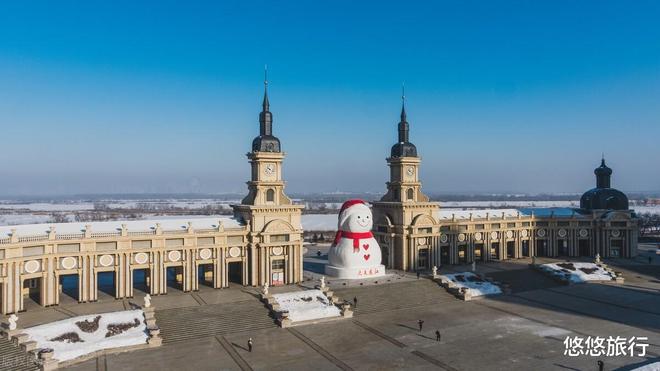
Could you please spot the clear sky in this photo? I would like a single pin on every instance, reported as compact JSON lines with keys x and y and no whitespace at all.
{"x":502,"y":96}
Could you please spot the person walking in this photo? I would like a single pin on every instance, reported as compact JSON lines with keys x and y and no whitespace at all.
{"x":601,"y":365}
{"x":418,"y":274}
{"x":437,"y":335}
{"x":355,"y":302}
{"x":250,"y":345}
{"x":420,"y":323}
{"x":650,"y":259}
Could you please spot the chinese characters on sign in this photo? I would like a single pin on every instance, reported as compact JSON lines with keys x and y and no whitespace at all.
{"x":598,"y":346}
{"x":368,"y":272}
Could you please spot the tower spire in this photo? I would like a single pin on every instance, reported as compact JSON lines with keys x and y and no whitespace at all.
{"x":266,"y":104}
{"x":403,"y":102}
{"x":403,"y":124}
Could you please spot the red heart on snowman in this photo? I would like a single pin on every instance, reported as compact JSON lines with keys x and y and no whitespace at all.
{"x":366,"y":256}
{"x":365,"y":246}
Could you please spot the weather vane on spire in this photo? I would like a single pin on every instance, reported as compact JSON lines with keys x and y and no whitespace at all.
{"x":403,"y":92}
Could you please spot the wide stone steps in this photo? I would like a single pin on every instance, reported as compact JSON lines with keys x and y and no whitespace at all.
{"x":395,"y":296}
{"x":211,"y":320}
{"x":13,"y":358}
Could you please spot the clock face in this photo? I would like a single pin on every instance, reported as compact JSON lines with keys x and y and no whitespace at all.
{"x":270,"y":169}
{"x":411,"y":171}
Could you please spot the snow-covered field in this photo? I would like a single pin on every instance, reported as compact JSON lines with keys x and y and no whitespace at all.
{"x":475,"y":284}
{"x":306,"y":305}
{"x":76,"y":342}
{"x":578,"y":272}
{"x":318,"y":222}
{"x":15,"y":213}
{"x":650,"y":367}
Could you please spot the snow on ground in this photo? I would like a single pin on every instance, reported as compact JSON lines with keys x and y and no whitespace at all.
{"x":177,"y":224}
{"x":306,"y":305}
{"x":475,"y":284}
{"x":578,"y":272}
{"x":90,"y":342}
{"x":650,"y":367}
{"x":14,"y":219}
{"x":319,"y":222}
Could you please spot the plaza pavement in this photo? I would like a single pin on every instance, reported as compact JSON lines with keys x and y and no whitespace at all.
{"x":208,"y":330}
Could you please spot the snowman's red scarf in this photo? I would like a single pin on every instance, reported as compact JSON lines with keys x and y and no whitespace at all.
{"x":356,"y":236}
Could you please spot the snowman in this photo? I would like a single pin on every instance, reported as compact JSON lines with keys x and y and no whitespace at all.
{"x":354,"y":252}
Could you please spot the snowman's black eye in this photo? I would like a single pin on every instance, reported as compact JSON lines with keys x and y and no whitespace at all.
{"x":359,"y":217}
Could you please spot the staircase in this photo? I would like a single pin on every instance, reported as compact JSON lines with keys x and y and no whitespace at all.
{"x":13,"y":358}
{"x":179,"y":324}
{"x":382,"y":298}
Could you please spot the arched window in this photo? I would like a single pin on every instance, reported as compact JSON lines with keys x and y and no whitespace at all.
{"x":270,"y":195}
{"x":411,"y":194}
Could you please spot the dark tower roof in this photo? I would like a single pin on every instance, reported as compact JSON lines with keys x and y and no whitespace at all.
{"x":603,"y":197}
{"x":403,"y":148}
{"x":266,"y":141}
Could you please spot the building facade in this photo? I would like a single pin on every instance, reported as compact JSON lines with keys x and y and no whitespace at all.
{"x":416,"y":234}
{"x":261,"y":244}
{"x":263,"y":241}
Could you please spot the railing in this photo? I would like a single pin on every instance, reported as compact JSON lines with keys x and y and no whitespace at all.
{"x":143,"y":233}
{"x":106,"y":234}
{"x":32,"y":238}
{"x":70,"y":236}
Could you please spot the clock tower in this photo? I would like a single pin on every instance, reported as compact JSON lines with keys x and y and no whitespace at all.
{"x":274,"y":253}
{"x":404,"y":208}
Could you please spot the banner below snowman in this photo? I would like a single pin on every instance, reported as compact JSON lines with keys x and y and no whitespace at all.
{"x":355,"y":253}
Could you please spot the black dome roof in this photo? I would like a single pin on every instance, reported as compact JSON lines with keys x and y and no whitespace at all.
{"x":266,"y":143}
{"x":604,"y":198}
{"x":404,"y":149}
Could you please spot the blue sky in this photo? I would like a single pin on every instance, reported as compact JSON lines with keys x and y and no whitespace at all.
{"x":503,"y":96}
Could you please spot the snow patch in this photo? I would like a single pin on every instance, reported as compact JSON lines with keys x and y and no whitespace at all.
{"x":90,"y":342}
{"x":578,"y":272}
{"x":306,"y":305}
{"x":655,"y":366}
{"x":474,"y":283}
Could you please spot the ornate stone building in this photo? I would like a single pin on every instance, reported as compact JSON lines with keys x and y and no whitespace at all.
{"x":416,"y":234}
{"x":261,"y":243}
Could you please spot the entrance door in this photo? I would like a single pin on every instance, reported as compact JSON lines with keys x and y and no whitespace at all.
{"x":32,"y":289}
{"x":236,"y":272}
{"x":563,"y":247}
{"x":175,"y":277}
{"x":462,"y":254}
{"x":142,"y":280}
{"x":479,"y":251}
{"x":423,"y":259}
{"x":541,"y":248}
{"x":106,"y":283}
{"x":495,"y":251}
{"x":510,"y":249}
{"x":444,"y":255}
{"x":583,"y":246}
{"x":616,"y":248}
{"x":205,"y":274}
{"x":69,"y":286}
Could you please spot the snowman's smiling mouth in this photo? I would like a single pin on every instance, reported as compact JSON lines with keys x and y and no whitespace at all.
{"x":363,"y":222}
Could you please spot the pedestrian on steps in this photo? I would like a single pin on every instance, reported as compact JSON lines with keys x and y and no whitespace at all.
{"x":250,"y":345}
{"x":420,"y":323}
{"x":355,"y":302}
{"x":437,"y":335}
{"x":418,"y":274}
